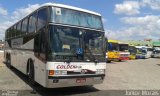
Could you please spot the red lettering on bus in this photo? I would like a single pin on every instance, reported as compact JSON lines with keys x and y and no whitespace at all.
{"x":67,"y":66}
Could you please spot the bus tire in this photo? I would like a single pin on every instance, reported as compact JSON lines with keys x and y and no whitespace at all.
{"x":108,"y":61}
{"x":8,"y":61}
{"x":30,"y":72}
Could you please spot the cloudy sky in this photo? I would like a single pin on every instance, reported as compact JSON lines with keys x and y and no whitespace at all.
{"x":123,"y":19}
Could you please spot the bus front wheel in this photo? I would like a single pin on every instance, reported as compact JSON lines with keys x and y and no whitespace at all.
{"x":30,"y":72}
{"x":8,"y":61}
{"x":108,"y":61}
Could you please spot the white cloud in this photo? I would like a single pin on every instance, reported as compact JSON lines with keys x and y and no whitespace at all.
{"x":138,"y":28}
{"x":110,"y":34}
{"x":148,"y":19}
{"x":22,"y":12}
{"x":153,"y":4}
{"x":16,"y":15}
{"x":3,"y":11}
{"x":3,"y":27}
{"x":104,"y":20}
{"x":133,"y":7}
{"x":127,"y":8}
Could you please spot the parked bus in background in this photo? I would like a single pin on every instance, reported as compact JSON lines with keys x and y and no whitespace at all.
{"x":139,"y":53}
{"x":149,"y":51}
{"x":156,"y":52}
{"x":113,"y":50}
{"x":133,"y":51}
{"x":142,"y":52}
{"x":123,"y":51}
{"x":145,"y":50}
{"x":58,"y":46}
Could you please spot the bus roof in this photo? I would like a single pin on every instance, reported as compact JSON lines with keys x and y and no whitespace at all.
{"x":141,"y":46}
{"x":70,"y":7}
{"x":131,"y":45}
{"x":123,"y":43}
{"x":61,"y":6}
{"x":112,"y":41}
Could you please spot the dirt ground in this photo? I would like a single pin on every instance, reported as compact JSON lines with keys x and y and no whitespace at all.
{"x":141,"y":74}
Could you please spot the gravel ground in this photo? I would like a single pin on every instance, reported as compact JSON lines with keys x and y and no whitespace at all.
{"x":142,"y":74}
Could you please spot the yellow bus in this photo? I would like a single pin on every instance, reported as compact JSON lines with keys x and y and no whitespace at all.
{"x":113,"y":50}
{"x":133,"y":51}
{"x":123,"y":51}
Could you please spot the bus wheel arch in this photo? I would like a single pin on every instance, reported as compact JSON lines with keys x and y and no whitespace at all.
{"x":8,"y":60}
{"x":31,"y":71}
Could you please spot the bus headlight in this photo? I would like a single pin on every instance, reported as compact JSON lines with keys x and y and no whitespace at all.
{"x":100,"y":71}
{"x":57,"y":72}
{"x":60,"y":72}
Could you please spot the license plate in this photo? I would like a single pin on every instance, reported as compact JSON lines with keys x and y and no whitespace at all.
{"x":81,"y":80}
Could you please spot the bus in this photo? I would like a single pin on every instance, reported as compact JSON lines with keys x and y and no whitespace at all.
{"x":113,"y":51}
{"x":142,"y":52}
{"x":156,"y":52}
{"x":132,"y":49}
{"x":123,"y":51}
{"x":149,"y":51}
{"x":58,"y":46}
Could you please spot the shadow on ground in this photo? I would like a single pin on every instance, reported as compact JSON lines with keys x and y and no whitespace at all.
{"x":116,"y":62}
{"x":158,"y":64}
{"x":39,"y":90}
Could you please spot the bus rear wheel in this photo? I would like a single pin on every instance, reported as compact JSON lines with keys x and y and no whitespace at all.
{"x":30,"y":72}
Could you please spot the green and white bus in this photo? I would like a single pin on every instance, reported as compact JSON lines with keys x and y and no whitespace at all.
{"x":58,"y":46}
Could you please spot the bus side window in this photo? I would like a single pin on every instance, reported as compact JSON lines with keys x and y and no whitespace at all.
{"x":42,"y":44}
{"x":39,"y":45}
{"x":24,"y":26}
{"x":32,"y":22}
{"x":36,"y":44}
{"x":42,"y":18}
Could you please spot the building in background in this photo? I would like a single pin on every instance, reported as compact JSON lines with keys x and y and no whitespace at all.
{"x":156,"y":44}
{"x":145,"y":42}
{"x":1,"y":44}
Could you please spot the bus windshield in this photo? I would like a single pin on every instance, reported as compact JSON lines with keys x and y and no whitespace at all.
{"x":94,"y":42}
{"x":113,"y":46}
{"x":123,"y":47}
{"x":77,"y":18}
{"x":64,"y":41}
{"x":132,"y":50}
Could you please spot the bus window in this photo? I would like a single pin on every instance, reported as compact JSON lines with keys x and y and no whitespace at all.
{"x":14,"y":31}
{"x":42,"y":44}
{"x":18,"y":33}
{"x":42,"y":18}
{"x":24,"y":26}
{"x":32,"y":23}
{"x":39,"y":46}
{"x":10,"y":32}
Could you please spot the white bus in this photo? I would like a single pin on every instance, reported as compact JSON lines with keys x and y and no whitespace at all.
{"x":143,"y":52}
{"x":58,"y":46}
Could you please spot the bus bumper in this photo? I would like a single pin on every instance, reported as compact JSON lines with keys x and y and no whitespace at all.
{"x":113,"y":59}
{"x":132,"y":57}
{"x":69,"y":81}
{"x":124,"y":58}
